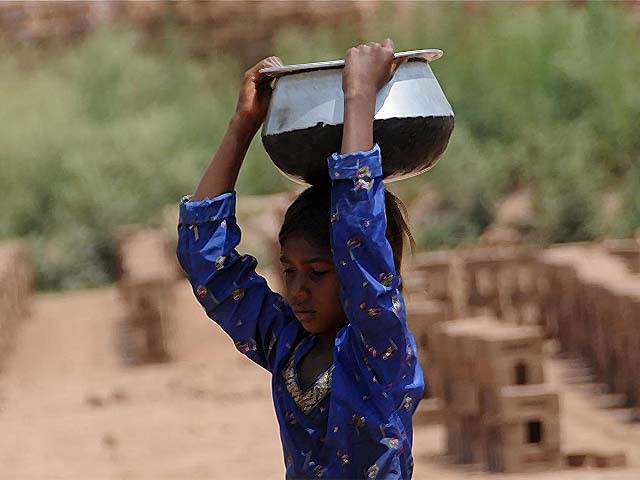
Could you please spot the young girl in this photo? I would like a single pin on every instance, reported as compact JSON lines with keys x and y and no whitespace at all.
{"x":345,"y":377}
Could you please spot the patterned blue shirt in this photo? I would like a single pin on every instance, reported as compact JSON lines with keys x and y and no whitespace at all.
{"x":355,"y":420}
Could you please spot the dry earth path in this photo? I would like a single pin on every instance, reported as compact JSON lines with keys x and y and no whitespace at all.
{"x":69,"y":409}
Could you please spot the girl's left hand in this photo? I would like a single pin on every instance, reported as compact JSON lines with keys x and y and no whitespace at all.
{"x":368,"y":68}
{"x":255,"y":93}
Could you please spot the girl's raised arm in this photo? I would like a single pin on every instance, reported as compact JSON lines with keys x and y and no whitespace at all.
{"x":253,"y":103}
{"x":363,"y":256}
{"x":225,"y":282}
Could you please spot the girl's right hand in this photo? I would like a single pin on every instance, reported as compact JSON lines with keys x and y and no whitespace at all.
{"x":255,"y":93}
{"x":369,"y":67}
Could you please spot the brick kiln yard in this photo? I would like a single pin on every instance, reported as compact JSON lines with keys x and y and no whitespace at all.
{"x":70,"y":409}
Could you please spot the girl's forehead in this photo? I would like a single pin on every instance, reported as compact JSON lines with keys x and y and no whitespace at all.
{"x":298,"y":249}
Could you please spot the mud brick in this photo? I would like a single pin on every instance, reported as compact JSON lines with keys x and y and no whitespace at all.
{"x":453,"y":425}
{"x":465,"y":398}
{"x":482,"y":283}
{"x":609,"y":459}
{"x":436,"y":270}
{"x":490,"y":416}
{"x":612,"y":400}
{"x":16,"y":288}
{"x":626,"y":340}
{"x":463,"y":438}
{"x":446,"y":356}
{"x":446,"y":333}
{"x":430,"y":411}
{"x":146,"y":281}
{"x":521,"y":447}
{"x":627,"y":249}
{"x":471,"y":441}
{"x":560,"y":292}
{"x":528,"y":401}
{"x":510,"y":355}
{"x":549,"y":298}
{"x":594,"y":343}
{"x":576,"y":459}
{"x":532,"y":459}
{"x":520,"y":280}
{"x":421,"y":319}
{"x":527,"y":445}
{"x":415,"y":286}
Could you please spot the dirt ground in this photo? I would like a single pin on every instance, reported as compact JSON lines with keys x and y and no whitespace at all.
{"x":70,"y":409}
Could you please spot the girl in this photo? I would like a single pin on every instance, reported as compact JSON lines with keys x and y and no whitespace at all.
{"x":345,"y":377}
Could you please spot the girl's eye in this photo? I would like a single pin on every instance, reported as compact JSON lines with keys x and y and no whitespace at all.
{"x":319,"y":273}
{"x":287,"y":271}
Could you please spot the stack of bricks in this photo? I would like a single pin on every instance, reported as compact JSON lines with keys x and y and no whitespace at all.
{"x":628,"y":249}
{"x":592,"y":301}
{"x":16,"y":284}
{"x":146,"y":285}
{"x":244,"y":28}
{"x":498,"y":411}
{"x":432,"y":275}
{"x":427,"y":292}
{"x":503,"y":282}
{"x":422,"y":317}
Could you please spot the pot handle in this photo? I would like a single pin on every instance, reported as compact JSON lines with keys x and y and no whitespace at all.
{"x":427,"y":55}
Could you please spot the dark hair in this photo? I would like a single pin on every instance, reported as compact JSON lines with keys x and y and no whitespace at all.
{"x":309,"y":215}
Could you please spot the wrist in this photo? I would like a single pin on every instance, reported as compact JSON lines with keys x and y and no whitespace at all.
{"x":359,"y":112}
{"x":360,"y":95}
{"x":244,"y":124}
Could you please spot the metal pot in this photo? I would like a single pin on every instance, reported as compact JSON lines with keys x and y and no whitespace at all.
{"x":412,"y":124}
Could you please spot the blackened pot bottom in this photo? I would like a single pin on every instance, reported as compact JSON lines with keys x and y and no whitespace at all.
{"x":408,"y":145}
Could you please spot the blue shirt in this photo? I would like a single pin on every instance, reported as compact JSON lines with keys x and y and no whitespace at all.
{"x":355,"y":421}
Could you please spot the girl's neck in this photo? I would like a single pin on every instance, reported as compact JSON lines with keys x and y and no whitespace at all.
{"x":325,"y":340}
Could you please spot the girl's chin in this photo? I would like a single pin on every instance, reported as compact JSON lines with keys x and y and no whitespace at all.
{"x":311,"y":326}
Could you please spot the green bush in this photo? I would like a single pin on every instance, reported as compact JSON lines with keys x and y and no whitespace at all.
{"x":107,"y":133}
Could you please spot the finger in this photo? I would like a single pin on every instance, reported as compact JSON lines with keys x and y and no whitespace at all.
{"x":388,"y":43}
{"x":395,"y":64}
{"x":264,"y":63}
{"x":394,"y":67}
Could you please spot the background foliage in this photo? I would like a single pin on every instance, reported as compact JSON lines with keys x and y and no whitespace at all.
{"x":107,"y":133}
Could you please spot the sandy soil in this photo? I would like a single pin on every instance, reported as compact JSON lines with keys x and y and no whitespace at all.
{"x":70,"y":409}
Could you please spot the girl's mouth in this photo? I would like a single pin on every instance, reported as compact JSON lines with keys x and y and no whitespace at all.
{"x":305,"y":315}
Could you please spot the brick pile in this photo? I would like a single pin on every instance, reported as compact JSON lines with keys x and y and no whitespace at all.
{"x":592,"y":305}
{"x":585,"y":295}
{"x":148,"y":273}
{"x":245,"y":28}
{"x":501,"y":282}
{"x":498,"y":412}
{"x":16,"y":285}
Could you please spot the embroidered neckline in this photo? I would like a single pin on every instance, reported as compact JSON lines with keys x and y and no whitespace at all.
{"x":306,"y":400}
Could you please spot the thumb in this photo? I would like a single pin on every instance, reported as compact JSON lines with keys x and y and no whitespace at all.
{"x":387,"y":42}
{"x":395,"y":64}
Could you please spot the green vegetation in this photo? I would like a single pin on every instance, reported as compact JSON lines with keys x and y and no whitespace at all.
{"x":107,"y":133}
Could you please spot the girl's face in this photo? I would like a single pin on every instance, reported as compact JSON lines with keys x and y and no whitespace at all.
{"x":311,"y":286}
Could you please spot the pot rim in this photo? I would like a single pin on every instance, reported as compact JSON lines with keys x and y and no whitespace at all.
{"x":427,"y":55}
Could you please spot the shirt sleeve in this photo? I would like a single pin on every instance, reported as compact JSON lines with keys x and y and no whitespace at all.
{"x":364,"y":262}
{"x":225,"y":282}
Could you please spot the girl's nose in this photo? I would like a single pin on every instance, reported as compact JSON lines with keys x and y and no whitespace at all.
{"x":299,"y":289}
